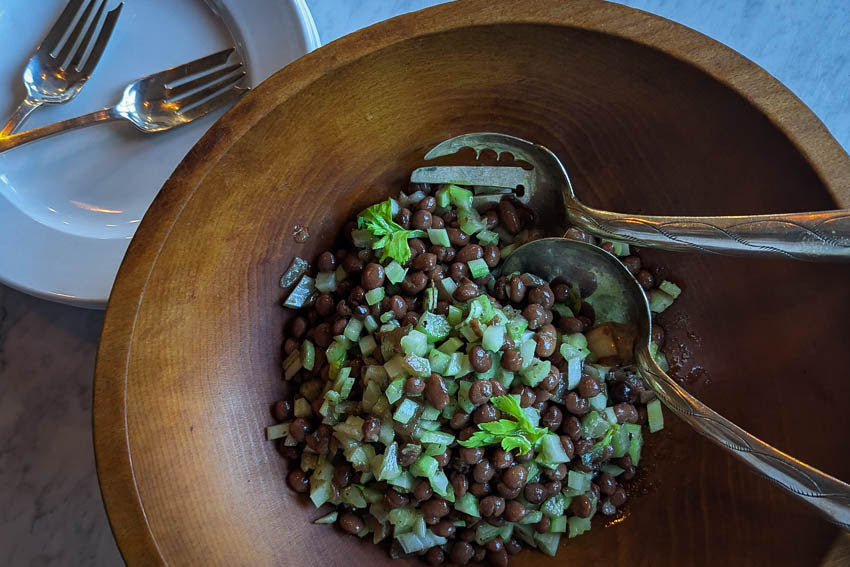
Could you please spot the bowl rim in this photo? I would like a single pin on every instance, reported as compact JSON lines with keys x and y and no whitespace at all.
{"x":779,"y":105}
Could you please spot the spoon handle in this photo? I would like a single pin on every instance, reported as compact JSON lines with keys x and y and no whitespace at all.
{"x":814,"y":236}
{"x":15,"y":140}
{"x":826,"y":493}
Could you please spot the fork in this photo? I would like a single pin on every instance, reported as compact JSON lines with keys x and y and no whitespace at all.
{"x":58,"y":78}
{"x":159,"y":102}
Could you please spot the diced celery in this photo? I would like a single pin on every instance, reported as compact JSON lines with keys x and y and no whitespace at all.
{"x":439,"y":437}
{"x":453,"y":367}
{"x":553,"y":506}
{"x":478,"y":268}
{"x":494,"y":337}
{"x":405,"y":482}
{"x":593,"y":425}
{"x":419,"y":527}
{"x":363,"y":238}
{"x":516,"y":327}
{"x":467,"y":333}
{"x":573,"y":373}
{"x":551,"y":450}
{"x":578,"y":481}
{"x":433,"y":450}
{"x":620,"y":442}
{"x":395,"y":367}
{"x":300,"y":293}
{"x":376,"y":373}
{"x":598,"y":401}
{"x":336,"y":353}
{"x":387,"y":433}
{"x":428,"y":425}
{"x":609,"y":415}
{"x":429,"y":413}
{"x":277,"y":431}
{"x":296,"y":269}
{"x":460,"y":197}
{"x":451,"y":345}
{"x":533,"y":374}
{"x":470,"y":221}
{"x":654,"y":415}
{"x":352,"y":496}
{"x":302,"y":408}
{"x":506,"y":377}
{"x":434,"y":327}
{"x":425,"y":466}
{"x":439,"y":361}
{"x":443,"y":197}
{"x":485,"y":532}
{"x":374,"y":296}
{"x":367,"y":345}
{"x":487,"y":311}
{"x":326,"y":282}
{"x":635,"y":446}
{"x":387,"y":316}
{"x":320,"y":493}
{"x":487,"y":238}
{"x":578,"y":526}
{"x":659,"y":300}
{"x":463,"y":396}
{"x":526,"y":351}
{"x":563,"y":310}
{"x":415,"y":343}
{"x":455,"y":315}
{"x":405,"y":411}
{"x":465,"y":367}
{"x":370,"y":324}
{"x":532,"y":517}
{"x":548,"y":542}
{"x":507,"y":531}
{"x":412,"y":543}
{"x":439,"y":483}
{"x":394,"y":390}
{"x":439,"y":237}
{"x":394,"y":272}
{"x":352,"y":329}
{"x":468,"y":504}
{"x":558,"y":524}
{"x":328,"y":518}
{"x":577,"y":340}
{"x":389,"y":468}
{"x":308,"y":355}
{"x":291,"y":365}
{"x":612,"y":470}
{"x":417,"y":365}
{"x":670,"y":289}
{"x":381,"y":407}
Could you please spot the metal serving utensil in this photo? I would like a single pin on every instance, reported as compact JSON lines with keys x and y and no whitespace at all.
{"x":619,"y":297}
{"x":813,"y":236}
{"x":159,"y":102}
{"x":58,"y":70}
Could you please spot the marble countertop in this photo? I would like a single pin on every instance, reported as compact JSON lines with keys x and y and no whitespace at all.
{"x":51,"y":512}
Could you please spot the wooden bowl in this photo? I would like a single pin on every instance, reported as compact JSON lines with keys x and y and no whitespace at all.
{"x":648,"y":116}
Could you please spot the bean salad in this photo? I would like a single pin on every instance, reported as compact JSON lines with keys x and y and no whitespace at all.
{"x":447,"y":412}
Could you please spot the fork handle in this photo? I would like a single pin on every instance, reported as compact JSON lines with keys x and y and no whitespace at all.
{"x":21,"y":113}
{"x":15,"y":140}
{"x":814,"y":236}
{"x":827,"y":494}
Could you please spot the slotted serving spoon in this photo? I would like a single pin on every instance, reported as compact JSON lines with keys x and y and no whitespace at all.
{"x":619,"y":297}
{"x":813,"y":236}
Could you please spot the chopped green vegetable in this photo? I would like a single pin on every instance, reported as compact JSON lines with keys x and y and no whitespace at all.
{"x":414,"y":343}
{"x":478,"y":268}
{"x":439,"y":237}
{"x":670,"y":289}
{"x":439,"y":361}
{"x":367,"y":345}
{"x":455,"y":315}
{"x":296,"y":269}
{"x":468,"y":504}
{"x":520,"y":434}
{"x":300,"y":293}
{"x":392,"y":242}
{"x":558,"y":524}
{"x":438,"y":437}
{"x":578,"y":526}
{"x":425,"y":466}
{"x":308,"y":355}
{"x":460,"y":197}
{"x":659,"y":300}
{"x":277,"y":431}
{"x":394,"y":272}
{"x":551,"y":450}
{"x":417,"y":365}
{"x":370,"y":324}
{"x":328,"y":518}
{"x":488,"y":238}
{"x":326,"y":282}
{"x":405,"y":411}
{"x":578,"y":481}
{"x":301,"y":408}
{"x":470,"y":221}
{"x":654,"y":415}
{"x":374,"y":296}
{"x":394,"y":390}
{"x":548,"y":542}
{"x":353,"y":329}
{"x":533,"y":374}
{"x":435,"y":327}
{"x":494,"y":337}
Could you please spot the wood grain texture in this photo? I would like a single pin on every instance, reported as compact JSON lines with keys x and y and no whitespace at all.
{"x":647,"y":116}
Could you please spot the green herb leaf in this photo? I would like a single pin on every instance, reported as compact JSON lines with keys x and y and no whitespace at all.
{"x":480,"y":439}
{"x":520,"y":434}
{"x":501,"y":427}
{"x":516,"y":442}
{"x":378,"y":219}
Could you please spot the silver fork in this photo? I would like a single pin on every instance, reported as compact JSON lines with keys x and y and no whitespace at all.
{"x":60,"y":67}
{"x":160,"y":101}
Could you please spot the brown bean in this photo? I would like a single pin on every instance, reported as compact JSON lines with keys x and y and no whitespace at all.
{"x":480,"y":489}
{"x":325,"y":304}
{"x":583,"y":446}
{"x":414,"y":386}
{"x":338,"y":326}
{"x":459,"y":420}
{"x":421,"y":220}
{"x":574,"y":233}
{"x":425,"y":262}
{"x":444,"y":528}
{"x":444,"y":458}
{"x":626,"y":413}
{"x":552,"y":418}
{"x":515,"y":476}
{"x":607,"y":484}
{"x":492,"y":255}
{"x":527,"y":397}
{"x":646,"y":279}
{"x":411,"y":318}
{"x":550,"y":383}
{"x":657,"y":334}
{"x":428,"y":203}
{"x":436,"y":392}
{"x":414,"y":283}
{"x":417,"y":247}
{"x":282,"y":410}
{"x":629,"y":473}
{"x":485,"y":414}
{"x":462,"y":553}
{"x":483,"y":471}
{"x":619,"y":497}
{"x":437,"y":222}
{"x":567,"y":444}
{"x":491,"y":217}
{"x":608,"y":247}
{"x":547,"y":341}
{"x":495,"y":544}
{"x":290,"y":345}
{"x":535,"y":493}
{"x":576,"y":405}
{"x":458,"y":271}
{"x":297,"y":327}
{"x":393,"y":499}
{"x":371,"y":429}
{"x":632,"y":263}
{"x":500,"y":289}
{"x":511,"y":360}
{"x":299,"y":428}
{"x":507,"y":492}
{"x":351,"y":523}
{"x":435,"y":507}
{"x":497,"y":388}
{"x":469,"y":252}
{"x":435,"y":556}
{"x":509,"y":217}
{"x":492,"y":506}
{"x":298,"y":481}
{"x":515,"y":511}
{"x":480,"y":392}
{"x":542,"y":526}
{"x":352,"y":264}
{"x":466,"y":292}
{"x":572,"y":427}
{"x":542,"y":295}
{"x":558,"y":473}
{"x":501,"y":459}
{"x":513,"y":546}
{"x":480,"y":359}
{"x":471,"y":455}
{"x":372,"y":276}
{"x":457,"y":237}
{"x":581,"y":506}
{"x":423,"y":491}
{"x":534,"y":313}
{"x":570,"y":325}
{"x":516,"y":289}
{"x":402,"y":217}
{"x":326,"y":262}
{"x":588,"y":387}
{"x":460,"y":484}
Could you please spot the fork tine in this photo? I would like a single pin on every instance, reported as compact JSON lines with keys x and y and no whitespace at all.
{"x":214,"y":103}
{"x":179,"y":90}
{"x":54,"y":36}
{"x":102,"y":39}
{"x":76,"y":59}
{"x":194,"y":67}
{"x":213,"y":88}
{"x":71,"y":42}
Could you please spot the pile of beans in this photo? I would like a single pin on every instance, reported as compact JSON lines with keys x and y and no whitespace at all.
{"x":499,"y":479}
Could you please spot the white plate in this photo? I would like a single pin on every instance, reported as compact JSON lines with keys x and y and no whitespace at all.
{"x":69,"y":205}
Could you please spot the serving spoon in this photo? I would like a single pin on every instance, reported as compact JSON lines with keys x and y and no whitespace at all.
{"x":620,"y":298}
{"x":813,"y":236}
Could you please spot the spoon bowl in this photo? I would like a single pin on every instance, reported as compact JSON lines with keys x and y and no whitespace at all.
{"x":616,"y":295}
